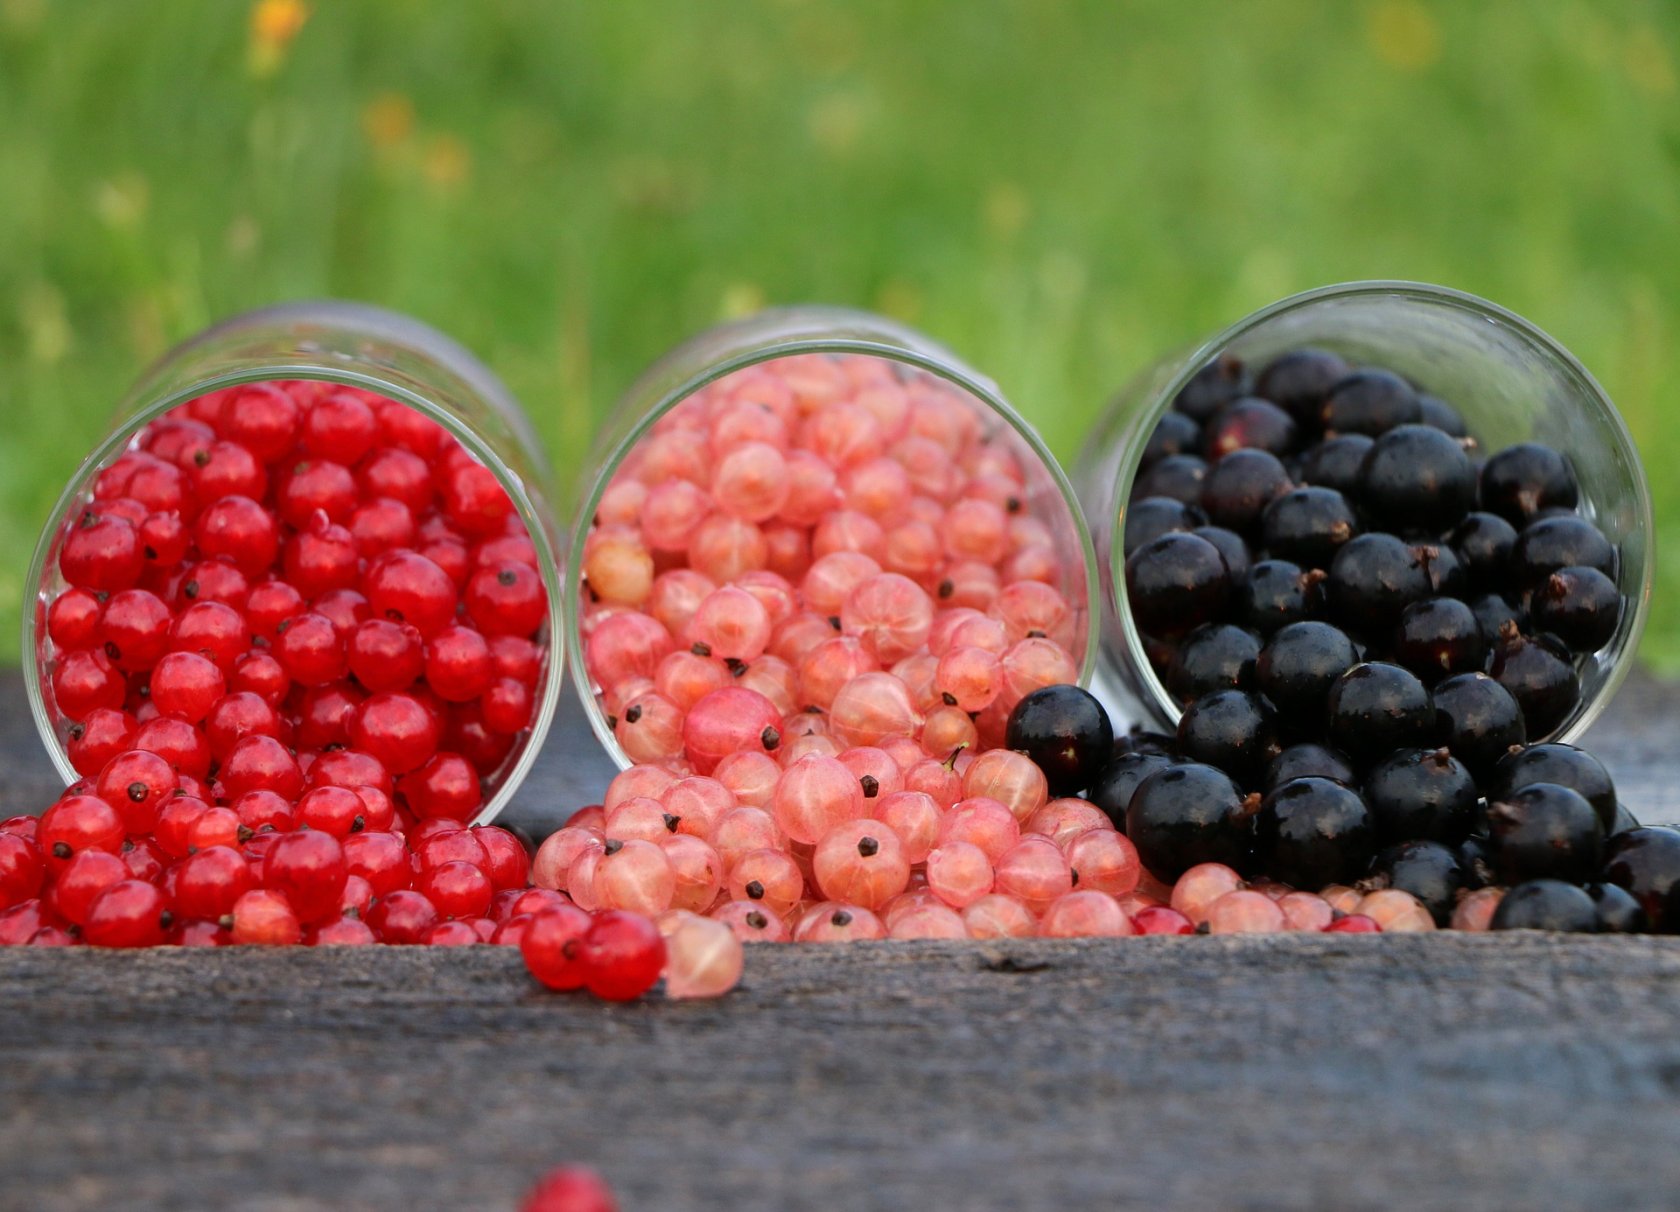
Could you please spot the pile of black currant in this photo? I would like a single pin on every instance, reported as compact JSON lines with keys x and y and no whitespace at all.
{"x":1366,"y":623}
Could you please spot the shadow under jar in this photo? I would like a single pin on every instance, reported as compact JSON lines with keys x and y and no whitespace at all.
{"x":816,"y":529}
{"x":321,"y":524}
{"x":1464,"y":365}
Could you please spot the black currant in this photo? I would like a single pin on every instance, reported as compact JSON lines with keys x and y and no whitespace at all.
{"x":1417,"y":478}
{"x":1249,"y":422}
{"x":1646,"y":861}
{"x":1544,"y":831}
{"x":1376,"y":708}
{"x":1370,"y":401}
{"x":1188,"y":814}
{"x":1231,"y":547}
{"x":1153,"y":517}
{"x":1422,"y":794}
{"x":1580,"y":606}
{"x":1546,"y":904}
{"x":1441,"y":565}
{"x":1239,"y":486}
{"x":1066,"y":733}
{"x":1548,"y":544}
{"x":1175,"y":433}
{"x":1299,"y":380}
{"x":1308,"y":526}
{"x":1437,"y":637}
{"x":1493,"y":613}
{"x":1484,"y":542}
{"x":1442,"y":416}
{"x":1232,"y":730}
{"x":1299,"y":664}
{"x":1175,"y":583}
{"x":1625,"y":820}
{"x":1311,"y":832}
{"x":1617,"y":910}
{"x":1309,"y":760}
{"x":1177,"y":476}
{"x":1478,"y":721}
{"x":1116,"y":782}
{"x":1373,"y":578}
{"x":1475,"y":861}
{"x":1276,"y":593}
{"x":1215,"y":656}
{"x":1521,"y":480}
{"x":1335,"y":462}
{"x":1212,"y":387}
{"x":1538,"y":672}
{"x":1428,"y":870}
{"x":1565,"y":765}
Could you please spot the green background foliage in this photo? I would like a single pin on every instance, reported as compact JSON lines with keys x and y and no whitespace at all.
{"x":1061,"y":191}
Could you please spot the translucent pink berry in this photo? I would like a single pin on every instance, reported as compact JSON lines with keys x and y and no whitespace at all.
{"x":774,"y":593}
{"x":1342,"y":898}
{"x":676,"y":595}
{"x":619,"y":571}
{"x":1305,"y":911}
{"x":935,"y":778}
{"x":751,"y":482}
{"x":752,"y":922}
{"x":832,"y":665}
{"x":685,"y":678}
{"x":1032,"y":610}
{"x":843,"y":435}
{"x":1086,"y":914}
{"x":959,"y":873}
{"x":743,"y":829}
{"x":999,"y":916}
{"x":831,"y":922}
{"x":671,"y":514}
{"x":724,"y":547}
{"x":1396,"y":912}
{"x":647,"y":780}
{"x":703,"y":958}
{"x":640,"y":818}
{"x":1475,"y":911}
{"x":929,"y":922}
{"x":624,"y":646}
{"x":731,"y":720}
{"x":634,"y":876}
{"x":813,"y":489}
{"x":871,"y":708}
{"x":1199,"y":887}
{"x":832,"y":577}
{"x":976,"y":530}
{"x":651,"y":728}
{"x":697,"y":869}
{"x":796,"y":636}
{"x":769,"y":877}
{"x":814,"y":796}
{"x":557,"y":854}
{"x":1011,"y":779}
{"x":876,"y":772}
{"x":730,"y":624}
{"x":1062,"y":820}
{"x":915,"y":817}
{"x":1034,"y":869}
{"x":861,"y":862}
{"x":890,"y":613}
{"x":1244,"y":912}
{"x":775,"y":679}
{"x":985,"y":822}
{"x":912,"y":548}
{"x":969,"y":678}
{"x":1104,"y":861}
{"x":751,"y":777}
{"x":698,"y":803}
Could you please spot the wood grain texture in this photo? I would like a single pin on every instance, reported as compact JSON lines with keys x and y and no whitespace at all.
{"x":1243,"y":1073}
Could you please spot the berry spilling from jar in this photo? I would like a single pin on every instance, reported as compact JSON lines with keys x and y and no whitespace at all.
{"x":1366,"y":625}
{"x":821,"y":553}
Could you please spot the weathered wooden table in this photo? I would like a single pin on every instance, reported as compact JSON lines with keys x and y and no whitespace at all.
{"x":1328,"y":1072}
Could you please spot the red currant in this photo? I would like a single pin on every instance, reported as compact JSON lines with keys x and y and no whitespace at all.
{"x":324,"y":714}
{"x":457,"y":889}
{"x":399,"y":474}
{"x":350,"y":768}
{"x":135,"y":784}
{"x":259,"y":810}
{"x":82,"y":880}
{"x":311,"y":650}
{"x":308,"y":868}
{"x":177,"y":742}
{"x":335,"y":810}
{"x":339,"y":426}
{"x":83,"y":682}
{"x":403,"y":917}
{"x":209,"y":883}
{"x":77,"y":823}
{"x":623,"y":955}
{"x":263,"y":917}
{"x":570,"y":1189}
{"x":445,"y":786}
{"x":381,"y":859}
{"x":101,"y":735}
{"x":164,"y":541}
{"x":240,"y":531}
{"x":507,"y":599}
{"x":215,"y":631}
{"x":382,"y":525}
{"x":507,"y":865}
{"x":507,"y":707}
{"x":404,"y":586}
{"x":458,"y":664}
{"x":320,"y":557}
{"x":21,"y":870}
{"x":263,"y":676}
{"x":73,"y":619}
{"x":552,"y":946}
{"x":102,"y":553}
{"x":236,"y":716}
{"x":131,"y":913}
{"x":261,"y":763}
{"x":270,"y":604}
{"x":187,"y":685}
{"x":214,"y":581}
{"x":316,"y":485}
{"x":135,"y":629}
{"x":387,"y":656}
{"x":398,"y":730}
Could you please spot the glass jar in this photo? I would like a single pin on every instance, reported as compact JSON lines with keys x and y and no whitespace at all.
{"x":1510,"y":382}
{"x":355,"y":346}
{"x":833,"y":342}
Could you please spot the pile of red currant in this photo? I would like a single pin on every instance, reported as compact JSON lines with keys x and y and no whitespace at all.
{"x":1366,"y":622}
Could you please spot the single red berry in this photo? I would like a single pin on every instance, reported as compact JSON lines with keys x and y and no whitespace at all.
{"x":507,"y":706}
{"x":262,"y":417}
{"x":398,"y":730}
{"x":261,"y":763}
{"x":158,"y":485}
{"x":399,"y":474}
{"x":339,"y":426}
{"x":82,"y":880}
{"x":263,"y":676}
{"x":209,"y":883}
{"x":335,"y":810}
{"x":467,"y":735}
{"x":263,"y":917}
{"x":187,"y":685}
{"x":223,"y":469}
{"x":240,"y":531}
{"x":175,"y":822}
{"x":146,"y":860}
{"x":77,"y":823}
{"x":1353,"y":923}
{"x":358,"y":896}
{"x":102,"y":553}
{"x":378,"y":812}
{"x":131,"y":913}
{"x":101,"y":735}
{"x":403,"y":917}
{"x":458,"y":664}
{"x":457,"y":889}
{"x":446,"y":786}
{"x":85,"y":681}
{"x":350,"y":768}
{"x":346,"y":608}
{"x":453,"y":934}
{"x":387,"y":656}
{"x":321,"y":556}
{"x":507,"y":599}
{"x":21,"y":870}
{"x":308,"y":868}
{"x":507,"y":864}
{"x":381,"y":859}
{"x":410,"y":429}
{"x":316,"y":485}
{"x":511,"y":931}
{"x":73,"y":619}
{"x":324,"y":714}
{"x":570,"y":1189}
{"x":474,"y":500}
{"x":237,"y":716}
{"x":165,"y":540}
{"x":311,"y":650}
{"x":135,"y":629}
{"x":528,"y":902}
{"x":214,"y":827}
{"x":200,"y":934}
{"x":21,"y":922}
{"x":177,"y":742}
{"x":381,"y":525}
{"x":213,"y":581}
{"x":270,"y":604}
{"x":515,"y":547}
{"x":448,"y":843}
{"x":258,"y":810}
{"x":623,"y":955}
{"x":516,"y":657}
{"x":342,"y":932}
{"x":406,"y":587}
{"x":552,"y":946}
{"x":215,"y":631}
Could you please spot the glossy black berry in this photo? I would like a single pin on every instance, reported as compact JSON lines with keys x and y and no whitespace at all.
{"x":1565,"y":765}
{"x":1297,"y":667}
{"x":1476,"y":863}
{"x":1428,"y":870}
{"x":1309,"y":760}
{"x":1175,"y":433}
{"x":1212,"y":387}
{"x":1335,"y":462}
{"x":1544,"y":831}
{"x":1232,"y":730}
{"x":1066,"y":733}
{"x":1580,"y":606}
{"x":1548,"y":544}
{"x":1478,"y":721}
{"x":1646,"y":861}
{"x":1250,"y":422}
{"x":1231,"y":548}
{"x":1188,"y":814}
{"x":1239,"y":486}
{"x":1370,"y":401}
{"x":1308,"y":526}
{"x":1422,"y":794}
{"x":1140,"y":740}
{"x":1438,"y":637}
{"x":1484,"y":542}
{"x":1546,"y":904}
{"x":1617,"y":910}
{"x":1373,"y":578}
{"x":1625,"y":820}
{"x":1443,"y":569}
{"x":1415,"y":478}
{"x":1312,"y":832}
{"x":1495,"y":616}
{"x":1519,"y":481}
{"x":1278,"y":592}
{"x":1116,"y":782}
{"x":1175,"y":583}
{"x":1298,"y":381}
{"x":1177,"y":476}
{"x":1215,"y":656}
{"x":1376,"y":708}
{"x":1443,"y":416}
{"x":1152,"y":517}
{"x":1539,"y":674}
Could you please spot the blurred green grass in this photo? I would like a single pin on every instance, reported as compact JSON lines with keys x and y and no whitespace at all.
{"x":1059,"y":190}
